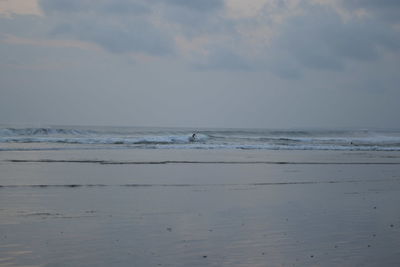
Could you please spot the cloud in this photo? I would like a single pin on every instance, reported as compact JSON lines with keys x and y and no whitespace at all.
{"x":135,"y":35}
{"x":125,"y":7}
{"x":65,"y":6}
{"x":132,"y":26}
{"x":193,"y":18}
{"x":19,"y":7}
{"x":373,"y":4}
{"x":310,"y":37}
{"x":386,"y":10}
{"x":319,"y":39}
{"x":118,"y":26}
{"x":108,"y":7}
{"x":197,"y":5}
{"x":264,"y":63}
{"x":286,"y":38}
{"x":323,"y":41}
{"x":10,"y":39}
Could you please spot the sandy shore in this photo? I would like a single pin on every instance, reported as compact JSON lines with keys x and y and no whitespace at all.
{"x":199,"y":208}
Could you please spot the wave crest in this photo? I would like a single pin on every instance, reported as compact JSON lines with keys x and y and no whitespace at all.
{"x":173,"y":138}
{"x":41,"y":131}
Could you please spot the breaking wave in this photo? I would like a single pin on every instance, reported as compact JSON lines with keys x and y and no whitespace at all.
{"x":51,"y":138}
{"x":41,"y":131}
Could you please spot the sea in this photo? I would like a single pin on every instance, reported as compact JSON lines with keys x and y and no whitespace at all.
{"x":140,"y":196}
{"x":96,"y":137}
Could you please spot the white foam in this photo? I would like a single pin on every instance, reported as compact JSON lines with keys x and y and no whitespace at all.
{"x":210,"y":139}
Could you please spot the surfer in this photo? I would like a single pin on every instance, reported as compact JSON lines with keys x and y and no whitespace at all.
{"x":192,"y":138}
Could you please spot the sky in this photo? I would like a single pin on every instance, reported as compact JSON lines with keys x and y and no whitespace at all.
{"x":201,"y":63}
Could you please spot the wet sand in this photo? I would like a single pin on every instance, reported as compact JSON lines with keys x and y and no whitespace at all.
{"x":199,"y":208}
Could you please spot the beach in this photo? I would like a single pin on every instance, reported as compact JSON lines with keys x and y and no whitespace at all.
{"x":207,"y":133}
{"x":180,"y":207}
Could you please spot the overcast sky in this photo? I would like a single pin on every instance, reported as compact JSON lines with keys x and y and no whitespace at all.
{"x":201,"y":63}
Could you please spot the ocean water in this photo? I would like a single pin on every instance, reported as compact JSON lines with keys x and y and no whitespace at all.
{"x":124,"y":196}
{"x":80,"y":137}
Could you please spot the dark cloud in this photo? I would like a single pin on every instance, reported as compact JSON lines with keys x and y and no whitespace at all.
{"x":195,"y":17}
{"x":317,"y":38}
{"x":96,"y":21}
{"x":133,"y":36}
{"x":372,"y":3}
{"x":66,"y":6}
{"x":139,"y":36}
{"x":121,"y":7}
{"x":105,"y":7}
{"x":122,"y":26}
{"x":386,"y":10}
{"x":322,"y":40}
{"x":197,"y":5}
{"x":127,"y":6}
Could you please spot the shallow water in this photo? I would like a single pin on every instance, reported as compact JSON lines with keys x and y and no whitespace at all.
{"x":185,"y":214}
